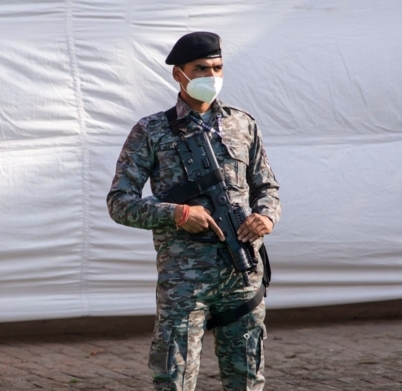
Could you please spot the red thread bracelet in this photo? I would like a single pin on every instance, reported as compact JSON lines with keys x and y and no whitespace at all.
{"x":184,"y":216}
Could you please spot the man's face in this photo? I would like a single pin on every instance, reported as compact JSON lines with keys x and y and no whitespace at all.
{"x":203,"y":67}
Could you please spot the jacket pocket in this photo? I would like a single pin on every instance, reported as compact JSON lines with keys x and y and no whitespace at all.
{"x":235,"y":165}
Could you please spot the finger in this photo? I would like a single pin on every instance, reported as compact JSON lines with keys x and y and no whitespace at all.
{"x":216,"y":229}
{"x":207,"y":211}
{"x":257,"y":232}
{"x":254,"y":239}
{"x":246,"y":223}
{"x":251,"y":237}
{"x":260,"y":225}
{"x":255,"y":228}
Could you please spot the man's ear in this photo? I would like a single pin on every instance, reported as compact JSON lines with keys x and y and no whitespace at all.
{"x":176,"y":73}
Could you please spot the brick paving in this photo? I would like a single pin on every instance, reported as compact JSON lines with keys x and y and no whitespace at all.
{"x":341,"y":356}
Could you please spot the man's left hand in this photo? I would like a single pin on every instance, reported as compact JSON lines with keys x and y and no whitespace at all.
{"x":254,"y":226}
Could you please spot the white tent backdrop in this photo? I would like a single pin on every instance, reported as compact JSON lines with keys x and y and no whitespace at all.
{"x":323,"y":78}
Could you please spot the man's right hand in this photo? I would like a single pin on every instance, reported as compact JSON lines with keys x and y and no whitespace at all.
{"x":199,"y":220}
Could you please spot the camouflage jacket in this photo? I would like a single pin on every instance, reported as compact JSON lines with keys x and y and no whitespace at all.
{"x":149,"y":152}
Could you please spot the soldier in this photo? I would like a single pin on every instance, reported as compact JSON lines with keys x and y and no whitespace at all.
{"x":196,"y":279}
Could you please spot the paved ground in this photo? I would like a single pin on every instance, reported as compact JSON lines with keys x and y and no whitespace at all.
{"x":352,"y":355}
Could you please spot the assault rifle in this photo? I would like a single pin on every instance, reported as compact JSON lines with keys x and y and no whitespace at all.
{"x":204,"y":177}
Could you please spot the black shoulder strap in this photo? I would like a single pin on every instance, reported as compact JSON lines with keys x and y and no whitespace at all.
{"x":171,"y":114}
{"x":176,"y":125}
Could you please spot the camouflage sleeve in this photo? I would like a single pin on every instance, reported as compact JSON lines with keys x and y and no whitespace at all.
{"x":264,"y":197}
{"x":125,"y":203}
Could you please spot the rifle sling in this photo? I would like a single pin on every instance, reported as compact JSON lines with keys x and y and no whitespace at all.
{"x":224,"y":318}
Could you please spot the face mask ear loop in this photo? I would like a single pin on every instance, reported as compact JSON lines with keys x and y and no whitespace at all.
{"x":185,"y":89}
{"x":184,"y":74}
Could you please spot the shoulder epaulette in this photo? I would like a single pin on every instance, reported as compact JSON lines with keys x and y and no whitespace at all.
{"x":243,"y":111}
{"x":143,"y":121}
{"x":152,"y":121}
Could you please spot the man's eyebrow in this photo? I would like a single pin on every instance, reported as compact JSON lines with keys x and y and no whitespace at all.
{"x":203,"y":65}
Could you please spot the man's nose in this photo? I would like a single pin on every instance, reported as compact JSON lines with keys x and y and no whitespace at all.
{"x":211,"y":72}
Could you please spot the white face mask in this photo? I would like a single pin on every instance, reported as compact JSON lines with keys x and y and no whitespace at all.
{"x":204,"y":89}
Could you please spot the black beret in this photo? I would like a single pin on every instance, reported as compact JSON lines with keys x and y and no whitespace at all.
{"x":189,"y":47}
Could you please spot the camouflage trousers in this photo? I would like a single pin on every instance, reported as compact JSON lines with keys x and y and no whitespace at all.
{"x":184,"y":298}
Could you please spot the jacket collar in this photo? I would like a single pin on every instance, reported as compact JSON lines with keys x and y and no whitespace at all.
{"x":183,"y":109}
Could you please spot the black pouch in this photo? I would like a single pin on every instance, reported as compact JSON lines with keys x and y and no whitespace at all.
{"x":267,"y":267}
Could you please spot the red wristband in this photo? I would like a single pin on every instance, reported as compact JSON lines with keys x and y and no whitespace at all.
{"x":184,"y":216}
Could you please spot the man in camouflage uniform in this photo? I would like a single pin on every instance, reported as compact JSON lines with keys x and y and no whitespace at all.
{"x":195,"y":278}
